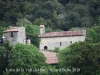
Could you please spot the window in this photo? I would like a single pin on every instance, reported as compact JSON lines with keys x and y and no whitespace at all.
{"x":60,"y":44}
{"x":12,"y":34}
{"x":70,"y":41}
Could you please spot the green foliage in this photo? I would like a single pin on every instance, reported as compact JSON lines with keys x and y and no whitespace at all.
{"x":29,"y":7}
{"x":92,"y":34}
{"x":42,"y":21}
{"x":23,"y":22}
{"x":41,"y":13}
{"x":48,"y":30}
{"x":82,"y":55}
{"x":1,"y":30}
{"x":32,"y":32}
{"x":26,"y":57}
{"x":3,"y":24}
{"x":57,"y":14}
{"x":5,"y":56}
{"x":56,"y":49}
{"x":2,"y":59}
{"x":72,"y":18}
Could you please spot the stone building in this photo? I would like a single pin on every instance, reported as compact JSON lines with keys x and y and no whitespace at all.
{"x":15,"y":35}
{"x":59,"y":39}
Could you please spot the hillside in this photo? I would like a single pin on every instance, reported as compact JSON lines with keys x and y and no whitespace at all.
{"x":54,"y":14}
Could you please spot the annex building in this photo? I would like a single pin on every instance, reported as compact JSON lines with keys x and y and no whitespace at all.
{"x":15,"y":35}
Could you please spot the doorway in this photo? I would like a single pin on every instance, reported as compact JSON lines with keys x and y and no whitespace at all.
{"x":45,"y":48}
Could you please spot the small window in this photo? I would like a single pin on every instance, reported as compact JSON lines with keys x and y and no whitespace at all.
{"x":12,"y":34}
{"x":60,"y":44}
{"x":70,"y":41}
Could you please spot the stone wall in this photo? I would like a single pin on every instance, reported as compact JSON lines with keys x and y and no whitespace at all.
{"x":18,"y":36}
{"x":61,"y":42}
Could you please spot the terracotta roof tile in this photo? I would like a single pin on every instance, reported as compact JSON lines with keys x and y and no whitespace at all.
{"x":64,"y":33}
{"x":51,"y":57}
{"x":14,"y":29}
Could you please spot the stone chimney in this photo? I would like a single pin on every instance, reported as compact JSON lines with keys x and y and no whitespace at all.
{"x":42,"y":29}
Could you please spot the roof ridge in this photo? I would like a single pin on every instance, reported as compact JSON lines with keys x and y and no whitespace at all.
{"x":64,"y":33}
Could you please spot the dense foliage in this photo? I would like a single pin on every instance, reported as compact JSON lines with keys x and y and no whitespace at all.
{"x":26,"y":57}
{"x":32,"y":32}
{"x":23,"y":59}
{"x":5,"y":56}
{"x":84,"y":56}
{"x":61,"y":14}
{"x":19,"y":59}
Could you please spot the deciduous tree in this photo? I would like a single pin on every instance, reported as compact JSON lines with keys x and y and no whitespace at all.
{"x":33,"y":32}
{"x":84,"y":56}
{"x":26,"y":57}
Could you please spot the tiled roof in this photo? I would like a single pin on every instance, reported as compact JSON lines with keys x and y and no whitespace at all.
{"x":64,"y":33}
{"x":51,"y":57}
{"x":14,"y":29}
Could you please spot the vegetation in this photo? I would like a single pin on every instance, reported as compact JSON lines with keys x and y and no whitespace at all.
{"x":5,"y":56}
{"x":22,"y":57}
{"x":83,"y":56}
{"x":56,"y":15}
{"x":1,"y":30}
{"x":32,"y":32}
{"x":56,"y":50}
{"x":26,"y":56}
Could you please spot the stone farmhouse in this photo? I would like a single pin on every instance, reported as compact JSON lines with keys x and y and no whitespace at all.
{"x":59,"y":39}
{"x":15,"y":35}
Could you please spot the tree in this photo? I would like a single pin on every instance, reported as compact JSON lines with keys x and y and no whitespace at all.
{"x":2,"y":7}
{"x":97,"y":30}
{"x":48,"y":30}
{"x":2,"y":59}
{"x":22,"y":22}
{"x":26,"y":57}
{"x":53,"y":5}
{"x":45,"y":13}
{"x":93,"y":35}
{"x":61,"y":22}
{"x":42,"y":21}
{"x":63,"y":1}
{"x":33,"y":32}
{"x":1,"y":30}
{"x":5,"y":56}
{"x":82,"y":56}
{"x":29,"y":7}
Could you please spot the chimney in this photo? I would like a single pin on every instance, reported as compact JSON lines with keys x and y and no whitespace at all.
{"x":42,"y":29}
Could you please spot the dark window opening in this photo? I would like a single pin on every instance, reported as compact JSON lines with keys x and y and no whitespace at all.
{"x":12,"y":34}
{"x":45,"y":47}
{"x":60,"y":44}
{"x":70,"y":41}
